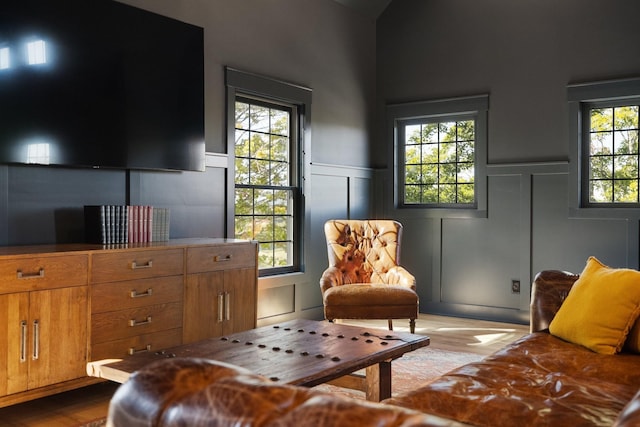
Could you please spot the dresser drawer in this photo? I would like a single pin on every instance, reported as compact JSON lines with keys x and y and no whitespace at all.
{"x":115,"y":325}
{"x":220,"y":257}
{"x":119,"y":349}
{"x":136,"y":293}
{"x":26,"y":274}
{"x":129,"y":265}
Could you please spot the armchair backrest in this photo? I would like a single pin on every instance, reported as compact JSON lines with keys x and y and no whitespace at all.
{"x":363,"y":249}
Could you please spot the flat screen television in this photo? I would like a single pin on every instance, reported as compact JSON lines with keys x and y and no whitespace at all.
{"x":97,"y":83}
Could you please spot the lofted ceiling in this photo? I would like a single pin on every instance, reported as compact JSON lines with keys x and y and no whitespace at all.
{"x":372,"y":8}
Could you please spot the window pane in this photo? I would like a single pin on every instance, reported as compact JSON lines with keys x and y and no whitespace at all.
{"x":242,"y":143}
{"x":447,"y":132}
{"x":259,"y":172}
{"x":447,"y":193}
{"x":601,"y":119}
{"x":465,"y":151}
{"x":601,"y":143}
{"x":626,"y":117}
{"x":447,"y":153}
{"x":412,"y":134}
{"x":279,"y":174}
{"x":626,"y":141}
{"x":466,"y":193}
{"x":430,"y":173}
{"x":242,"y":115}
{"x":626,"y":167}
{"x":466,"y":173}
{"x":279,"y":148}
{"x":625,"y":191}
{"x":412,"y":154}
{"x":601,"y":191}
{"x":265,"y":255}
{"x":263,"y":202}
{"x":430,"y":194}
{"x":601,"y":167}
{"x":447,"y":173}
{"x":430,"y":133}
{"x":259,"y":118}
{"x":244,"y":201}
{"x":412,"y":194}
{"x":279,"y":122}
{"x":244,"y":228}
{"x":466,"y":131}
{"x":260,"y":147}
{"x":412,"y":174}
{"x":242,"y":171}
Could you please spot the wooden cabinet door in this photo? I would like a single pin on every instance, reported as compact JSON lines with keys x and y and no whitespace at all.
{"x":14,"y":357}
{"x":240,"y":291}
{"x":203,"y":306}
{"x":58,"y":335}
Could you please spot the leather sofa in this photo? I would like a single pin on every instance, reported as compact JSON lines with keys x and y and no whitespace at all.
{"x":537,"y":380}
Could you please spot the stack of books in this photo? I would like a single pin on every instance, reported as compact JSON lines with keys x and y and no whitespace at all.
{"x":120,"y":224}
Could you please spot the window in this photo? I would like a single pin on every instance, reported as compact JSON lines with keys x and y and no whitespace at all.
{"x":438,"y":160}
{"x":268,"y":122}
{"x":440,"y":152}
{"x":611,"y":153}
{"x":265,"y":178}
{"x":605,"y":159}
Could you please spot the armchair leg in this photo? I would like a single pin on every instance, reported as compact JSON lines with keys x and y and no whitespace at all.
{"x":390,"y":325}
{"x":412,"y":326}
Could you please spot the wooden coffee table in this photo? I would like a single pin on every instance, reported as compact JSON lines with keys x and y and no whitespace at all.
{"x":299,"y":352}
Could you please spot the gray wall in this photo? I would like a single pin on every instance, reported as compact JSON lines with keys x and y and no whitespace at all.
{"x":320,"y":44}
{"x":523,"y":54}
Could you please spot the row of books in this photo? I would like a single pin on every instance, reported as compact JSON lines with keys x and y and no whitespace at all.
{"x":120,"y":224}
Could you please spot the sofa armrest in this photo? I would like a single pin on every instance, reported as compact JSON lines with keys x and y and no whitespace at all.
{"x":549,"y":289}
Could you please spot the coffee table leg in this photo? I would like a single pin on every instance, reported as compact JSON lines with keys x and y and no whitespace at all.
{"x":378,"y":381}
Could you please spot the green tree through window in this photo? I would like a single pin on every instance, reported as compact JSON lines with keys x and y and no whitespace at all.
{"x":264,"y":190}
{"x":439,"y":162}
{"x":613,"y":154}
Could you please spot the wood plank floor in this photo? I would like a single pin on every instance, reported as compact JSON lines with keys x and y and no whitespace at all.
{"x":80,"y":406}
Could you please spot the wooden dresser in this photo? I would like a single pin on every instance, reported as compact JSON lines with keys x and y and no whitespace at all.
{"x":64,"y":305}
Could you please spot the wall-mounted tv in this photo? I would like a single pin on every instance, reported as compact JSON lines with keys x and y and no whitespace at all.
{"x":100,"y":84}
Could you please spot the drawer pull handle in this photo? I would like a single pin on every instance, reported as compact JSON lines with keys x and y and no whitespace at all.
{"x":134,"y":322}
{"x":23,"y":341}
{"x":227,"y":306}
{"x":132,"y":350}
{"x":220,"y":307}
{"x":36,"y":340}
{"x":135,"y":266}
{"x":37,"y":275}
{"x":219,"y":258}
{"x":135,"y":294}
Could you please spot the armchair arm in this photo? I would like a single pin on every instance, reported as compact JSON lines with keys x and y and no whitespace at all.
{"x":549,"y":289}
{"x":398,"y":275}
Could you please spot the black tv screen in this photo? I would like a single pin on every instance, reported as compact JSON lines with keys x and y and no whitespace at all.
{"x":97,"y":83}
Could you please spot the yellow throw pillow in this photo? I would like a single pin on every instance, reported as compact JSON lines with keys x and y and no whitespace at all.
{"x":601,"y":308}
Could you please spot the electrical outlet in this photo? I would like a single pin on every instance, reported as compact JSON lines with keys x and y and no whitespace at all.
{"x":515,"y":286}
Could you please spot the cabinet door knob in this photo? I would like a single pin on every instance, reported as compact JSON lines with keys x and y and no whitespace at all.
{"x":23,"y":341}
{"x":218,"y":258}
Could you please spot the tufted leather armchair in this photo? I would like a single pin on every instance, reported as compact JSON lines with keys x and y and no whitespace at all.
{"x":364,"y":279}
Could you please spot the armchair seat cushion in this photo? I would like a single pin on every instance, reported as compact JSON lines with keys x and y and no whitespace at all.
{"x":367,"y":294}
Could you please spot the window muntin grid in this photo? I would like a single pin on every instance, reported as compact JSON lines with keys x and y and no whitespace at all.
{"x":264,"y":194}
{"x":439,"y":163}
{"x":613,"y":157}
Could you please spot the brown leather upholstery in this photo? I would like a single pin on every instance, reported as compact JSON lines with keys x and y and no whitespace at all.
{"x":364,"y":279}
{"x":199,"y":393}
{"x":537,"y":380}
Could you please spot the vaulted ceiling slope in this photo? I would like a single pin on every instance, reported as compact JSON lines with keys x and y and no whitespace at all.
{"x":372,"y":8}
